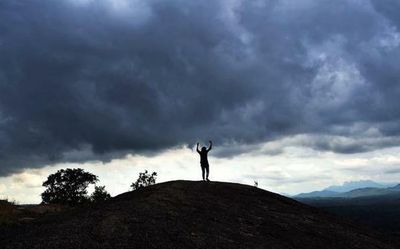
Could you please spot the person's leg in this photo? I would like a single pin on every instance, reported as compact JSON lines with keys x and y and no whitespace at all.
{"x":207,"y":172}
{"x":202,"y":172}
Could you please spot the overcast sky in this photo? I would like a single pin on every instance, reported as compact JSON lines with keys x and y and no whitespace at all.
{"x":295,"y":94}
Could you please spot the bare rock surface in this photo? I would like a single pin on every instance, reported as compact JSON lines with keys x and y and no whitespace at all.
{"x":186,"y":214}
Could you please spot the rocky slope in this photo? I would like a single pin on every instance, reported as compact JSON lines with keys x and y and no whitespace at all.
{"x":183,"y":214}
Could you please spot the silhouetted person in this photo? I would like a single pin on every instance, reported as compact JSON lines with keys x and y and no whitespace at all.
{"x":205,"y":168}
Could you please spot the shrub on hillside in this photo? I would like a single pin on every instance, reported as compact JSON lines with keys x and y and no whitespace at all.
{"x":100,"y":194}
{"x":145,"y":179}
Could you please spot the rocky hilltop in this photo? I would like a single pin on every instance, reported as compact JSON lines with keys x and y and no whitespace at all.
{"x":185,"y":214}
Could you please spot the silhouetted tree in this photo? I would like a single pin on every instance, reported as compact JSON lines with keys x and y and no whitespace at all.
{"x":68,"y":187}
{"x":100,"y":194}
{"x":145,"y":179}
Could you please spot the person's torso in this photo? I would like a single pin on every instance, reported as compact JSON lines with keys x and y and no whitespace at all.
{"x":203,"y":156}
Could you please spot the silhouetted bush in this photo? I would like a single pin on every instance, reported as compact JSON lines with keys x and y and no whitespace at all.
{"x":100,"y":194}
{"x":145,"y":179}
{"x":68,"y":187}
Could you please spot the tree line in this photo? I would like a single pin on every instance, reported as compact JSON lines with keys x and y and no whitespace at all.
{"x":70,"y":187}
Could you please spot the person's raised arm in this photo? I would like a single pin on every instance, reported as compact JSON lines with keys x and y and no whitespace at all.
{"x":209,"y":148}
{"x":197,"y":148}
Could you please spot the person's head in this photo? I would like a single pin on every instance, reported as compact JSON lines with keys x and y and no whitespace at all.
{"x":203,"y":149}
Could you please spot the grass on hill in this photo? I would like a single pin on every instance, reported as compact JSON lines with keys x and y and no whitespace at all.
{"x":11,"y":213}
{"x":8,"y":212}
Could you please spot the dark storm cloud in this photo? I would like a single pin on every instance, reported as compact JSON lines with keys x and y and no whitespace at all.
{"x":82,"y":80}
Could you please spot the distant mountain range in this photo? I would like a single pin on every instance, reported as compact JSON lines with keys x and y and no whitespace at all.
{"x":349,"y":186}
{"x":354,"y":189}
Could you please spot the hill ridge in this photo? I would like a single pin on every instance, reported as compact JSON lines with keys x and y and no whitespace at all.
{"x":193,"y":214}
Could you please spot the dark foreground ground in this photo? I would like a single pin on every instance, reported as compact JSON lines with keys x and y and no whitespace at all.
{"x":183,"y":214}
